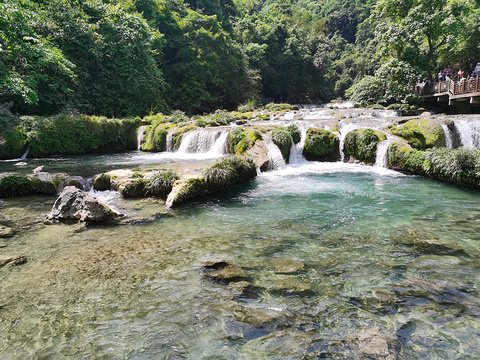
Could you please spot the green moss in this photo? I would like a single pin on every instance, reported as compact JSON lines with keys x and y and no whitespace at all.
{"x":15,"y":185}
{"x":283,"y":139}
{"x":134,"y":188}
{"x":362,"y":144}
{"x":235,"y":136}
{"x":421,"y":134}
{"x":178,"y":134}
{"x":194,"y":187}
{"x":102,"y":182}
{"x":412,"y":136}
{"x":279,"y":107}
{"x":321,"y":145}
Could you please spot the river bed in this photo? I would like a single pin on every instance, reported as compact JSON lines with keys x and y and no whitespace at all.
{"x":343,"y":261}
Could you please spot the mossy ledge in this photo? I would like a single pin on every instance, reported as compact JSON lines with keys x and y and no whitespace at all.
{"x":321,"y":145}
{"x":223,"y":174}
{"x":458,"y":166}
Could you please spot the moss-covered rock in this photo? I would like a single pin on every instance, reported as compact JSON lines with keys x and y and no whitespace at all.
{"x":321,"y":145}
{"x":102,"y":182}
{"x":156,"y":137}
{"x":362,"y":144}
{"x":421,"y":134}
{"x":459,"y":166}
{"x":240,"y":140}
{"x":185,"y":190}
{"x":159,"y":183}
{"x":131,"y":188}
{"x":283,"y":139}
{"x":15,"y":185}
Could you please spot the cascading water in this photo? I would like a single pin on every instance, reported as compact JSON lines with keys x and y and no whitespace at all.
{"x":169,"y":144}
{"x":296,"y":151}
{"x":342,"y":134}
{"x":469,"y":132}
{"x":24,"y":156}
{"x":448,"y":136}
{"x":140,"y":133}
{"x":381,"y":159}
{"x":203,"y":141}
{"x":275,"y":155}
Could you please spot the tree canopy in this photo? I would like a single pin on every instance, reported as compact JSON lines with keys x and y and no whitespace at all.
{"x":133,"y":57}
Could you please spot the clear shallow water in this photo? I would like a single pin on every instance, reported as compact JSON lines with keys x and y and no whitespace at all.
{"x":387,"y":259}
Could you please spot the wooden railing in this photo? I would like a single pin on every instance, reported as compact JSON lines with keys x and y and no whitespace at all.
{"x":450,"y":88}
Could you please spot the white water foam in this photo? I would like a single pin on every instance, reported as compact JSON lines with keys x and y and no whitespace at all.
{"x":381,"y":159}
{"x":140,"y":133}
{"x":448,"y":135}
{"x":469,"y":132}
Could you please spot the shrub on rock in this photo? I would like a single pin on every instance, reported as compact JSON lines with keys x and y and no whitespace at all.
{"x":283,"y":139}
{"x":362,"y":144}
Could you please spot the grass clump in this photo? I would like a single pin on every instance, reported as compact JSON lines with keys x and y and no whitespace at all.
{"x":160,"y":183}
{"x":283,"y":139}
{"x":228,"y":172}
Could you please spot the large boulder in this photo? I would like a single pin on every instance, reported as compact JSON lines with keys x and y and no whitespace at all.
{"x":74,"y":205}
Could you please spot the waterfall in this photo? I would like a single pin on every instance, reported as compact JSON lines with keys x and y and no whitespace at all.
{"x":342,"y":134}
{"x":203,"y":141}
{"x":275,"y":155}
{"x":140,"y":133}
{"x":381,"y":159}
{"x":469,"y":132}
{"x":24,"y":156}
{"x":296,"y":152}
{"x":169,"y":145}
{"x":448,"y":136}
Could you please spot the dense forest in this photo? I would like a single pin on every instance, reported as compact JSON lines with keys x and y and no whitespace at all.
{"x":134,"y":57}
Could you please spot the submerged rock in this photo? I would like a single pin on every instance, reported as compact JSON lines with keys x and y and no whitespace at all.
{"x":223,"y":271}
{"x":13,"y":260}
{"x":75,"y":205}
{"x":426,"y":242}
{"x":377,"y":343}
{"x":286,"y":266}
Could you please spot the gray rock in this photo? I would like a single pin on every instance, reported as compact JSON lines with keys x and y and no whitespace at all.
{"x":13,"y":260}
{"x":75,"y":205}
{"x":259,"y":154}
{"x":77,"y":181}
{"x":6,"y":232}
{"x":377,"y":343}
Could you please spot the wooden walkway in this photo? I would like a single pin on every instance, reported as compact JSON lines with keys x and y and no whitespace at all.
{"x":451,"y":91}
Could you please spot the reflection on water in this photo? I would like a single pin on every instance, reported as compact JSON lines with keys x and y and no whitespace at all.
{"x":390,"y":265}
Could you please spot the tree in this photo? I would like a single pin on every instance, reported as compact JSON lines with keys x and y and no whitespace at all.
{"x":34,"y":74}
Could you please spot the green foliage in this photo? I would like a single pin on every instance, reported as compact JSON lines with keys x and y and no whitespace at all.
{"x":278,"y":107}
{"x":362,"y":144}
{"x":13,"y":144}
{"x":295,"y":133}
{"x":228,"y":172}
{"x":321,"y":145}
{"x":369,"y":90}
{"x":283,"y":139}
{"x":15,"y":185}
{"x":160,"y":183}
{"x":219,"y":118}
{"x":77,"y":134}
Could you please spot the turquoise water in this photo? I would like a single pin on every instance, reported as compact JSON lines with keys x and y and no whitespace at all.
{"x":373,"y":263}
